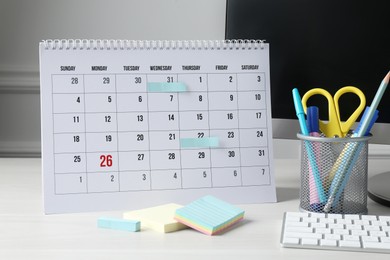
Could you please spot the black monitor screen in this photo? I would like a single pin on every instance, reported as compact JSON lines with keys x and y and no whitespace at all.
{"x":325,"y":43}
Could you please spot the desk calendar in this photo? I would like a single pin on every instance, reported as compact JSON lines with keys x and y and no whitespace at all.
{"x":130,"y":124}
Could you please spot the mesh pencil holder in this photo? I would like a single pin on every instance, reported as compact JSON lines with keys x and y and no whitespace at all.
{"x":334,"y":174}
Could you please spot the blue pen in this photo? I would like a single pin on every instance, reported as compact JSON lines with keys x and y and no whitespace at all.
{"x":313,"y":119}
{"x":313,"y":126}
{"x":310,"y":153}
{"x":300,"y":112}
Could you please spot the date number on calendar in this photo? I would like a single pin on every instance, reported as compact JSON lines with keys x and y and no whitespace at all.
{"x":105,"y":160}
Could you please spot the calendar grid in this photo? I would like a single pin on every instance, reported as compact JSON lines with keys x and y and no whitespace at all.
{"x":115,"y":155}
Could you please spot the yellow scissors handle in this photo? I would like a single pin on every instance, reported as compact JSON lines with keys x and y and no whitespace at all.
{"x":332,"y":128}
{"x":345,"y":126}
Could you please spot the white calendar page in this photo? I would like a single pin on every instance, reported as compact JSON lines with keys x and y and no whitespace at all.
{"x":110,"y":142}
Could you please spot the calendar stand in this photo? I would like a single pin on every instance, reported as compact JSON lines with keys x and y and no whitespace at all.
{"x":114,"y":121}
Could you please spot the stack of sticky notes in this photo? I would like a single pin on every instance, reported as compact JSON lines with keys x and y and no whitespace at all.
{"x":160,"y":218}
{"x":209,"y":215}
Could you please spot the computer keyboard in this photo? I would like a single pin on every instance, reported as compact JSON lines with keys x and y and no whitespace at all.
{"x":365,"y":233}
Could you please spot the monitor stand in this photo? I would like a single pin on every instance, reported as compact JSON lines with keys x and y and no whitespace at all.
{"x":378,"y":188}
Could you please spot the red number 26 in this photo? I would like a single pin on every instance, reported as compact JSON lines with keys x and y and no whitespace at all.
{"x":105,"y":160}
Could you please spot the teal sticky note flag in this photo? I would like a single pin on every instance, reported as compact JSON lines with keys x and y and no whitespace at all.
{"x":167,"y":87}
{"x":119,"y":224}
{"x":199,"y":142}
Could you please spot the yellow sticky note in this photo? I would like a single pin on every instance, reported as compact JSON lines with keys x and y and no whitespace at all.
{"x":160,"y":218}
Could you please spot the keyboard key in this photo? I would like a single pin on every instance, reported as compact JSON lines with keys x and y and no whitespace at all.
{"x":334,"y":216}
{"x":369,"y":217}
{"x":350,"y":216}
{"x":293,"y":219}
{"x":362,"y":222}
{"x":336,"y":226}
{"x":332,"y":237}
{"x":354,"y":227}
{"x":318,"y":225}
{"x":359,"y":232}
{"x":291,"y":240}
{"x":309,"y":220}
{"x":344,"y":243}
{"x":317,"y":215}
{"x":327,"y":220}
{"x":299,"y":229}
{"x":372,"y":228}
{"x":302,"y":235}
{"x":376,"y":245}
{"x":379,"y":223}
{"x":386,"y":228}
{"x":323,"y":230}
{"x":385,"y":239}
{"x":328,"y":242}
{"x":297,"y":224}
{"x":384,"y":218}
{"x":309,"y":241}
{"x":351,"y":238}
{"x":378,"y":233}
{"x":344,"y":221}
{"x":370,"y":239}
{"x":341,"y":231}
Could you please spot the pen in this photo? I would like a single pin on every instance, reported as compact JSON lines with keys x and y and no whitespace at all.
{"x":301,"y":117}
{"x":313,"y":120}
{"x":314,"y":128}
{"x":351,"y":151}
{"x":300,"y":112}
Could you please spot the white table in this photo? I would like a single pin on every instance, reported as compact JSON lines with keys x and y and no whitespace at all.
{"x":26,"y":233}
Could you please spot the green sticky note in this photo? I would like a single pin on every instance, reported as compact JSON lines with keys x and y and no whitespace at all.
{"x":199,"y":142}
{"x":119,"y":224}
{"x":167,"y":87}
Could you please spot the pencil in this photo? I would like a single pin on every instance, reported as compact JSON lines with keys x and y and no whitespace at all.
{"x":374,"y":105}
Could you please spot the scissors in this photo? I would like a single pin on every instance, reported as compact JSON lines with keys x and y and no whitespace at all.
{"x":334,"y":127}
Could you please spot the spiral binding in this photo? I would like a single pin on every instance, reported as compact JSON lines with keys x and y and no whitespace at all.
{"x":87,"y":44}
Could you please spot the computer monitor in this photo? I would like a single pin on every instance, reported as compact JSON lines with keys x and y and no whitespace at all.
{"x":325,"y":43}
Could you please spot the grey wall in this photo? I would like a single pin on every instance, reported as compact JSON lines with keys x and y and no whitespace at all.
{"x":24,"y":23}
